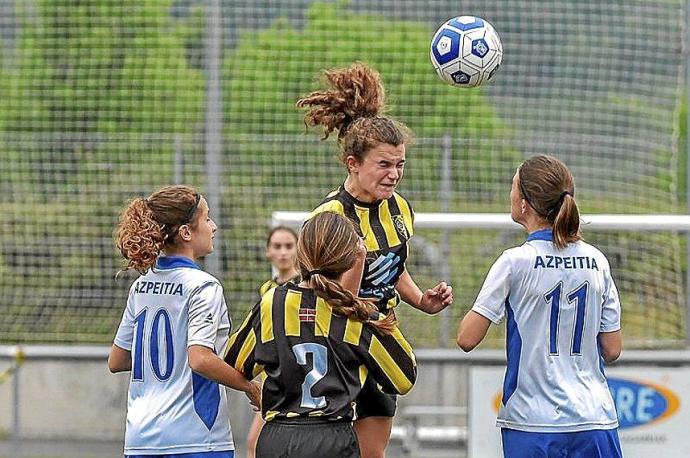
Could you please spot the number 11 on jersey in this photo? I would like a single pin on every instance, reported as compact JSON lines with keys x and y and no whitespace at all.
{"x":579,"y":296}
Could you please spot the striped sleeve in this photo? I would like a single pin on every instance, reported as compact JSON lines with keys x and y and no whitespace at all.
{"x":268,"y":284}
{"x":241,"y":346}
{"x":391,"y":361}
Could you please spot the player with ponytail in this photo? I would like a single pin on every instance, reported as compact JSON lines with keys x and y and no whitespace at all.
{"x":173,"y":328}
{"x":562,"y":317}
{"x":372,"y":147}
{"x":317,"y":342}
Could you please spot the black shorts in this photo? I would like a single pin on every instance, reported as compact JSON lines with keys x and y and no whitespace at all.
{"x":372,"y":402}
{"x":297,"y":439}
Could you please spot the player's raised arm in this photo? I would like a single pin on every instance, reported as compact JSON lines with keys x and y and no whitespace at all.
{"x":488,"y":307}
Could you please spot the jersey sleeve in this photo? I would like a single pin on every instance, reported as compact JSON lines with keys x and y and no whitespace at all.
{"x":611,"y":306}
{"x":241,"y":346}
{"x":265,"y":287}
{"x":391,"y":361}
{"x":125,"y":332}
{"x":490,"y":302}
{"x":331,"y":204}
{"x":206,"y":308}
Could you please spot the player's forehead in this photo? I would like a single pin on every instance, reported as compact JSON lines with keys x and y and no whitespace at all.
{"x":203,"y":206}
{"x":386,"y":152}
{"x":282,"y":237}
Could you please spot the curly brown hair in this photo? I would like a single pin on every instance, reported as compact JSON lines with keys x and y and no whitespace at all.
{"x":148,"y":225}
{"x":353,"y":105}
{"x":328,"y":243}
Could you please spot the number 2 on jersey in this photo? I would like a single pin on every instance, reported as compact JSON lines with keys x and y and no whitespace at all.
{"x":553,"y":297}
{"x":319,"y":369}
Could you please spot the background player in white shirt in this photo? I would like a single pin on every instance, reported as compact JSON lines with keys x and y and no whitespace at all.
{"x":173,"y":328}
{"x":563,"y":318}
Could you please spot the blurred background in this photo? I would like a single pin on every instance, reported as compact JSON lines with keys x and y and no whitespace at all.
{"x":102,"y":101}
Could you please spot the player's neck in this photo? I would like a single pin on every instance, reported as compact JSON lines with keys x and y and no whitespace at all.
{"x":536,"y":225}
{"x":184,"y":251}
{"x":532,"y":222}
{"x":285,"y":275}
{"x":352,"y":186}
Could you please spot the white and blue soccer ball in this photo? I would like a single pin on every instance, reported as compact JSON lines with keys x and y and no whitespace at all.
{"x":466,"y":51}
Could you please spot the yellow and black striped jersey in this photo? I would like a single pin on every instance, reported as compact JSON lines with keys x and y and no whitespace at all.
{"x":315,"y":361}
{"x":386,"y":227}
{"x":273,"y":282}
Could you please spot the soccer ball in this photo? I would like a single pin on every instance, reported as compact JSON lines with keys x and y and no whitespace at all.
{"x":466,"y":51}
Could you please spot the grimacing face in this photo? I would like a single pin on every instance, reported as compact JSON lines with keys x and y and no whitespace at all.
{"x":379,"y":173}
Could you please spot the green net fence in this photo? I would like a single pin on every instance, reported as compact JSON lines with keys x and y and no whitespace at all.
{"x":104,"y":100}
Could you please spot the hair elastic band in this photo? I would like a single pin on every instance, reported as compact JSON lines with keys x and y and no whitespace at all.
{"x":558,"y":205}
{"x":312,"y":273}
{"x":190,"y":213}
{"x":563,"y":194}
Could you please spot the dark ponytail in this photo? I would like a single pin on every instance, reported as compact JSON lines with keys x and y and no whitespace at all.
{"x":548,"y":187}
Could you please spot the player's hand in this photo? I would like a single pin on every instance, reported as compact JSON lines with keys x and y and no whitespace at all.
{"x":254,"y":395}
{"x":361,"y":249}
{"x":437,"y":298}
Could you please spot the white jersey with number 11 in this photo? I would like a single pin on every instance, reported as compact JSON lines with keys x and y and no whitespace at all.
{"x":556,"y":302}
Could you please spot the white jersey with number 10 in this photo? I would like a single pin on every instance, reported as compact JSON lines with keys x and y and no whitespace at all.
{"x":555,"y":302}
{"x":170,"y":408}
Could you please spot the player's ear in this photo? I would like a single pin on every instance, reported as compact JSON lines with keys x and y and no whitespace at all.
{"x":352,"y":164}
{"x":185,"y":233}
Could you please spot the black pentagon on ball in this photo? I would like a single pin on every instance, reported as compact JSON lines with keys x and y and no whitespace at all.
{"x":460,"y":77}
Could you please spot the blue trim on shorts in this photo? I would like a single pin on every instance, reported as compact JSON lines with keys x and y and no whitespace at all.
{"x":223,"y":454}
{"x":596,"y":443}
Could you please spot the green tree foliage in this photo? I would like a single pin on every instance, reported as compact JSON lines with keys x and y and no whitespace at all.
{"x":90,"y":81}
{"x":270,"y":70}
{"x":95,"y":95}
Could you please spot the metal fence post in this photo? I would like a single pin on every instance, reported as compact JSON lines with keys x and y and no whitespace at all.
{"x":686,"y":53}
{"x":444,"y":198}
{"x":16,"y":419}
{"x":214,"y":123}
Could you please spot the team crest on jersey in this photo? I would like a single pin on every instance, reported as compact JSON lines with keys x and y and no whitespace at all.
{"x":399,"y":223}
